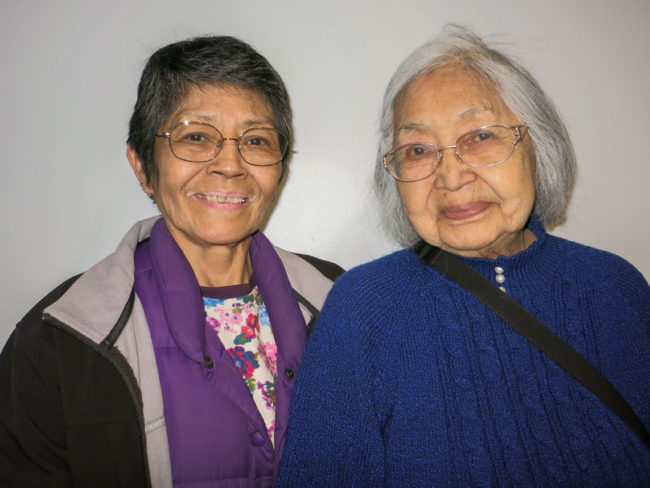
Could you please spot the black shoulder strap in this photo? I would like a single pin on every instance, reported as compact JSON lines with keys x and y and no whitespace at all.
{"x":536,"y":332}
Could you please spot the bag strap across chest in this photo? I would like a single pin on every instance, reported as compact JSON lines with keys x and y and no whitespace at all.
{"x":534,"y":331}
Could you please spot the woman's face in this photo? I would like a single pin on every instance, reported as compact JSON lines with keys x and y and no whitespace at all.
{"x":223,"y":201}
{"x":470,"y":211}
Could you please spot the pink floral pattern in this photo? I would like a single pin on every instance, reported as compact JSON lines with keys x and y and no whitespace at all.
{"x":245,"y":361}
{"x":244,"y":328}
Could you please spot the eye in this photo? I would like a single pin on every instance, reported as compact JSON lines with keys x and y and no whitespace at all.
{"x":193,"y":138}
{"x":482,"y":136}
{"x":486,"y":145}
{"x":194,"y":134}
{"x":255,"y":141}
{"x":260,"y":139}
{"x":196,"y":137}
{"x":413,"y":152}
{"x":481,"y":139}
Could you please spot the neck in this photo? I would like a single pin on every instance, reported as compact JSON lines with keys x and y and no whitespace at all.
{"x":504,"y":247}
{"x":221,"y":266}
{"x":218,"y":265}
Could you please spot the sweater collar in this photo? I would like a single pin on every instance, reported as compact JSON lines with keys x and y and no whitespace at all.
{"x":533,"y":262}
{"x":535,"y":225}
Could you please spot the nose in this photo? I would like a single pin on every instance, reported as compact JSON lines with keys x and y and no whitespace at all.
{"x":452,"y":173}
{"x":228,"y":161}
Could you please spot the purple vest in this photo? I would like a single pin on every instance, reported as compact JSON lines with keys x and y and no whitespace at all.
{"x":216,"y":435}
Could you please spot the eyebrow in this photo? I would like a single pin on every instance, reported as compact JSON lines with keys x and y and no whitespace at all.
{"x":259,"y":122}
{"x":252,"y":122}
{"x":414,"y":126}
{"x":471,"y":111}
{"x":463,"y":114}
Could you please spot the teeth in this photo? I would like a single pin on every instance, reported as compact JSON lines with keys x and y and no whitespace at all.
{"x":220,"y":199}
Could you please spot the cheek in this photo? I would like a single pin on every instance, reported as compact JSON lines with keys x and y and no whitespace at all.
{"x":163,"y":188}
{"x":417,"y":198}
{"x":526,"y":184}
{"x":267,"y":181}
{"x":170,"y":184}
{"x":528,"y":174}
{"x":511,"y":181}
{"x":420,"y":209}
{"x":517,"y":196}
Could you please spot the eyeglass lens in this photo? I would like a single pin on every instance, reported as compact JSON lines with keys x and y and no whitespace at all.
{"x":199,"y":142}
{"x":484,"y":146}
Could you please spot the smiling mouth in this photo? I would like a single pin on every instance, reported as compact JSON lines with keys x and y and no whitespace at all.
{"x":221,"y":199}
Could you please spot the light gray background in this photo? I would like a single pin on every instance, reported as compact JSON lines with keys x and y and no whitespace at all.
{"x":69,"y":76}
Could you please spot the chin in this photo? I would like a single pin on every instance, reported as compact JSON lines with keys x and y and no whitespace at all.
{"x":470,"y":247}
{"x":227,"y":240}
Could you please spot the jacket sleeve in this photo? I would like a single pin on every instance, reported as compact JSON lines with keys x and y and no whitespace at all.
{"x":67,"y":415}
{"x":334,"y":435}
{"x":33,"y":444}
{"x":32,"y":434}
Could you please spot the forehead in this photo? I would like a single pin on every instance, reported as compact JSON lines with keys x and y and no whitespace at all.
{"x":213,"y":102}
{"x":449,"y":94}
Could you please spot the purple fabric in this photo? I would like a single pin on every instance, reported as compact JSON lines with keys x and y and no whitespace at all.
{"x":216,"y":435}
{"x":224,"y":292}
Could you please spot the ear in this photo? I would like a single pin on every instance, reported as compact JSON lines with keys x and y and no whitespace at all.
{"x":136,"y":165}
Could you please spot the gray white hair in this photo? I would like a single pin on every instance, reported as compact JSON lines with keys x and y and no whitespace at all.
{"x":554,"y":155}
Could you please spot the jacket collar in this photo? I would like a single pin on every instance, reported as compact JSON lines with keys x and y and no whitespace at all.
{"x":90,"y":306}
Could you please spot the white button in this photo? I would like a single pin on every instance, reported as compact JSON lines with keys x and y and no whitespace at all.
{"x":500,"y":278}
{"x":502,"y":288}
{"x":498,"y":269}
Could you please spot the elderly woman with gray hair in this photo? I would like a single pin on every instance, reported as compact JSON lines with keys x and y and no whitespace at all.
{"x":488,"y":352}
{"x":171,"y":362}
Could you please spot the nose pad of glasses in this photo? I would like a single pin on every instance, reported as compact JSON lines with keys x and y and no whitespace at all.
{"x":441,"y":154}
{"x":227,"y":161}
{"x":221,"y":144}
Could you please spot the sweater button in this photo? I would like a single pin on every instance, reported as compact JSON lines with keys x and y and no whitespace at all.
{"x":257,"y":439}
{"x":289,"y":372}
{"x":500,"y":277}
{"x":207,"y":362}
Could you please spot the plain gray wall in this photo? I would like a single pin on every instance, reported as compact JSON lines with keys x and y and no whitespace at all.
{"x":69,"y":76}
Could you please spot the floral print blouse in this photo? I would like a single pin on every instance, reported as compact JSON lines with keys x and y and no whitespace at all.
{"x":243,"y":326}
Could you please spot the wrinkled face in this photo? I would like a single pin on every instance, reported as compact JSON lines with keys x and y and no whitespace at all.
{"x":470,"y":211}
{"x":221,"y":202}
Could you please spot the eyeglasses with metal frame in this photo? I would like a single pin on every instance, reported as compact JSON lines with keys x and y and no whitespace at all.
{"x":198,"y":142}
{"x":484,"y":146}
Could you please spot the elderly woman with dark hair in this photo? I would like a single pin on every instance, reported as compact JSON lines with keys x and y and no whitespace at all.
{"x":424,"y":369}
{"x":171,"y":362}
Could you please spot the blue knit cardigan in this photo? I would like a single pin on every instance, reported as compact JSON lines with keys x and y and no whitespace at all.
{"x":409,"y":381}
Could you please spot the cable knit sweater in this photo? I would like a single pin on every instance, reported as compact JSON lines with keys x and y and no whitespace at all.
{"x":409,"y":381}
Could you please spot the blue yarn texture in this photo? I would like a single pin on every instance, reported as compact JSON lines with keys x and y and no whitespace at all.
{"x":409,"y":381}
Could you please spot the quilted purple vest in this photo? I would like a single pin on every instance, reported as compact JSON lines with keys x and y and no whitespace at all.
{"x":216,"y":434}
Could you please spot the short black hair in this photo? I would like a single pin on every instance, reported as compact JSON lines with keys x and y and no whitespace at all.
{"x":174,"y":69}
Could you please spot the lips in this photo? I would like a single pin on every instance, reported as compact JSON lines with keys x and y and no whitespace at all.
{"x":464,"y":211}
